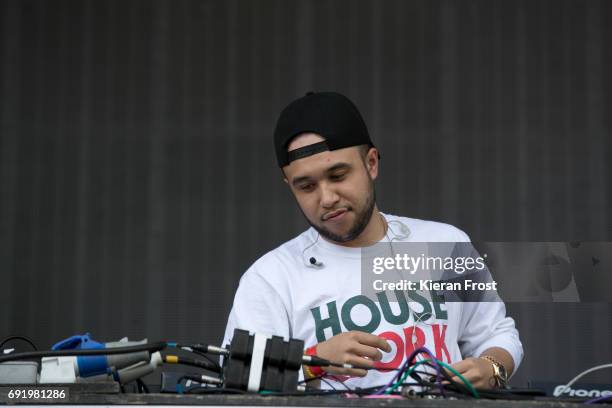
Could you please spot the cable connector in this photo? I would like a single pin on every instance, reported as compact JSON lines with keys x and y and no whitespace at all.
{"x":207,"y":348}
{"x":207,"y":365}
{"x":200,"y":379}
{"x":202,"y":348}
{"x":315,"y":361}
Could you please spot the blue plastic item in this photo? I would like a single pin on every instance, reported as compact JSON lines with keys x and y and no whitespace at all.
{"x":88,"y":365}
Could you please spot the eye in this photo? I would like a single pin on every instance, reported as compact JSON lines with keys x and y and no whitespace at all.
{"x":307,"y":187}
{"x":337,"y":176}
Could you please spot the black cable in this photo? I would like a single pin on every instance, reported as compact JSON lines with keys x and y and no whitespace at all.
{"x":151,"y":347}
{"x":433,"y":379}
{"x":459,"y":390}
{"x":23,"y":338}
{"x":318,"y":377}
{"x":452,"y":385}
{"x":210,"y":360}
{"x":419,"y":381}
{"x":503,"y":394}
{"x":307,"y":380}
{"x":330,"y":385}
{"x":452,"y":391}
{"x":316,"y":361}
{"x":414,"y":375}
{"x":193,"y":377}
{"x":303,"y":393}
{"x":370,"y":390}
{"x":434,"y":392}
{"x":358,"y":391}
{"x":324,"y":377}
{"x":202,"y":348}
{"x":142,"y":386}
{"x":174,"y":359}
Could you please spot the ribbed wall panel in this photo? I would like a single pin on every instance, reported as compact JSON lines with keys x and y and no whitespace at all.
{"x":137,"y":174}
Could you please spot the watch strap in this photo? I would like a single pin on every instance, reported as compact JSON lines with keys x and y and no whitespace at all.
{"x":500,"y":374}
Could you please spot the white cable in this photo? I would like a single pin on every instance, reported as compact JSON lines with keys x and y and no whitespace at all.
{"x":309,"y":264}
{"x":582,"y":374}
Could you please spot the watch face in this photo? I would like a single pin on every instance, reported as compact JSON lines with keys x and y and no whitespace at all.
{"x":502,"y":373}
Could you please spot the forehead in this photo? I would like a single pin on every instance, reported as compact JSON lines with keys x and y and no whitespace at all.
{"x":317,"y":164}
{"x":304,"y":139}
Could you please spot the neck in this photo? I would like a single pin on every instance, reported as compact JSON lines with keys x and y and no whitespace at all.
{"x":372,"y":233}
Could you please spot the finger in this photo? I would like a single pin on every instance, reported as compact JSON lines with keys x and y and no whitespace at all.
{"x":352,"y":372}
{"x":353,"y":360}
{"x":360,"y":361}
{"x":453,"y":380}
{"x":447,"y":374}
{"x":472,"y":377}
{"x":373,"y":340}
{"x":458,"y":381}
{"x":479,"y":379}
{"x":366,"y":351}
{"x":356,"y":372}
{"x":461,"y":366}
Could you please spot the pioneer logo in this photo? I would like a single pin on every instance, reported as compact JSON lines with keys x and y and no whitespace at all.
{"x":561,"y":390}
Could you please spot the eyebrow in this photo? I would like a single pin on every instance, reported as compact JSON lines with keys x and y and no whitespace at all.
{"x":335,"y":167}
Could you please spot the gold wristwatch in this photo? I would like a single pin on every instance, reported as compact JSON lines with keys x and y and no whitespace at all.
{"x":499,"y":372}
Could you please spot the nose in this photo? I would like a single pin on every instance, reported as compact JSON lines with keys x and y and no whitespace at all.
{"x":329,"y":196}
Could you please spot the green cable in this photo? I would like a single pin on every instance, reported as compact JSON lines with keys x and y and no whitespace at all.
{"x":443,"y":364}
{"x":465,"y":381}
{"x":406,"y":374}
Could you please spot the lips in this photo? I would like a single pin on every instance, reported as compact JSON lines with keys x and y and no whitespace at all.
{"x":333,"y":215}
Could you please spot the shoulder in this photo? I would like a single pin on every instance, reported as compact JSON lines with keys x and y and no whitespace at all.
{"x":427,"y":231}
{"x":281,"y":260}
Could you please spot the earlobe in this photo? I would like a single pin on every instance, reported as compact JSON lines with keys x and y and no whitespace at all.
{"x":373,"y":164}
{"x":373,"y":172}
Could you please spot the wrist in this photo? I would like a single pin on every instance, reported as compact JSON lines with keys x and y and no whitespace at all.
{"x":500,"y":374}
{"x":312,"y":371}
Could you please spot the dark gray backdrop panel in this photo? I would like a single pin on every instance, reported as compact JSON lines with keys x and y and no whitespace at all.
{"x":137,"y":176}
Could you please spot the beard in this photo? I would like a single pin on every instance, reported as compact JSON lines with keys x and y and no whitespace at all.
{"x":362,"y":218}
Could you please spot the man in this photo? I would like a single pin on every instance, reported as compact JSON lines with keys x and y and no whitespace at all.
{"x":310,"y":287}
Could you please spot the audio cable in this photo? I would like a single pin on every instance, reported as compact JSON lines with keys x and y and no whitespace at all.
{"x":205,"y":364}
{"x":151,"y":347}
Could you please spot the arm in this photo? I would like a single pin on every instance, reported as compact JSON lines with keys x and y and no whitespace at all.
{"x":481,"y":372}
{"x":258,"y":308}
{"x":487,"y":331}
{"x":501,"y":355}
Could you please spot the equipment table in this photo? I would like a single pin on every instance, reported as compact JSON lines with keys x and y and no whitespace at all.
{"x":109,"y":394}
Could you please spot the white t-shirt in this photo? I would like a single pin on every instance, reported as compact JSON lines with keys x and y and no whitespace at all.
{"x":283,"y":294}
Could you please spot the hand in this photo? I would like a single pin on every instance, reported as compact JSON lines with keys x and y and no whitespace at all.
{"x":477,"y":371}
{"x":354,"y":347}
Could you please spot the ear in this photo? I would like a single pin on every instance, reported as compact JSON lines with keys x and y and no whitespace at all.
{"x":371,"y":161}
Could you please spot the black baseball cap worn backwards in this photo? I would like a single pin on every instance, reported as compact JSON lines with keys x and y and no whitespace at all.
{"x":329,"y":114}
